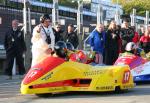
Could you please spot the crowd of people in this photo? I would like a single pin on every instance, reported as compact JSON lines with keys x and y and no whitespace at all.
{"x":107,"y":43}
{"x":113,"y":40}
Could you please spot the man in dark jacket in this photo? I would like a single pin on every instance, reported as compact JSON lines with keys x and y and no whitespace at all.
{"x":71,"y":36}
{"x":58,"y":32}
{"x":15,"y":47}
{"x":127,"y":34}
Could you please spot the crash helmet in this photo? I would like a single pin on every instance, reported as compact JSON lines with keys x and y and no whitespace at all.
{"x":130,"y":46}
{"x":69,"y":46}
{"x":60,"y":49}
{"x":82,"y":56}
{"x":74,"y":57}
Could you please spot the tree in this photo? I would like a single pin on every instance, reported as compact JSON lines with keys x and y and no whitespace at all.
{"x":120,"y":1}
{"x":140,"y":5}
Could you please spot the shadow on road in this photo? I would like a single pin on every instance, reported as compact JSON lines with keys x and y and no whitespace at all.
{"x":142,"y":89}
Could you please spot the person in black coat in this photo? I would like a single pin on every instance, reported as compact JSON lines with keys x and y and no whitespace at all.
{"x":71,"y":36}
{"x":58,"y":32}
{"x":127,"y":34}
{"x":15,"y":47}
{"x":112,"y":44}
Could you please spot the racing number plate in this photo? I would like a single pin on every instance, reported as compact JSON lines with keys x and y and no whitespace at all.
{"x":126,"y":76}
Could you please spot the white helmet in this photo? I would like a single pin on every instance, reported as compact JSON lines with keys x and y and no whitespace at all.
{"x":130,"y":46}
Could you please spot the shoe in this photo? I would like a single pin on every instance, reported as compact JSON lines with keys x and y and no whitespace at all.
{"x":9,"y":78}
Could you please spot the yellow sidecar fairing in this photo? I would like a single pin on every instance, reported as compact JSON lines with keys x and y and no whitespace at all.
{"x":62,"y":76}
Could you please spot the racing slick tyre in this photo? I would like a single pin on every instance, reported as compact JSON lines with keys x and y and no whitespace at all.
{"x":117,"y":89}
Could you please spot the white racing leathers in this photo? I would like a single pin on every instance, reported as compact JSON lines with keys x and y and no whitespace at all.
{"x":39,"y":44}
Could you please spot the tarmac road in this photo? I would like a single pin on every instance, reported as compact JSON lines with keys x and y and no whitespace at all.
{"x":9,"y":93}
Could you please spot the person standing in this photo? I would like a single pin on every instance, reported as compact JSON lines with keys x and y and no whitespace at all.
{"x":112,"y":44}
{"x":127,"y":34}
{"x":142,"y":31}
{"x":97,"y":42}
{"x":136,"y":37}
{"x":71,"y":36}
{"x":145,"y":41}
{"x":15,"y":47}
{"x":58,"y":32}
{"x":43,"y":40}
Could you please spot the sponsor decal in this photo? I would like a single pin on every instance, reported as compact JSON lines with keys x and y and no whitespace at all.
{"x":94,"y":72}
{"x":57,"y":89}
{"x":128,"y":86}
{"x":105,"y":88}
{"x":32,"y":74}
{"x":137,"y":78}
{"x":47,"y":76}
{"x":139,"y":69}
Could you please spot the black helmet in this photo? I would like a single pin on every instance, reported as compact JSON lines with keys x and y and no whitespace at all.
{"x":44,"y":17}
{"x":69,"y":46}
{"x":60,"y":49}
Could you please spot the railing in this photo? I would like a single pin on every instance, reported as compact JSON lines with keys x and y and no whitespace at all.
{"x":86,"y":45}
{"x":2,"y":52}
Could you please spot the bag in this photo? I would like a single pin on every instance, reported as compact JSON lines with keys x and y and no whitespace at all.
{"x":48,"y":39}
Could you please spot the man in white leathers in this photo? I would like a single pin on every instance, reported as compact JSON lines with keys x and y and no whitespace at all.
{"x":43,"y":40}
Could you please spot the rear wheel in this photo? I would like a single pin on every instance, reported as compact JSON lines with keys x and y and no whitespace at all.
{"x":117,"y":89}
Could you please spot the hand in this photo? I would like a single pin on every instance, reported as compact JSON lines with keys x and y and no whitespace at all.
{"x":113,"y":35}
{"x":92,"y":48}
{"x":48,"y":51}
{"x":39,"y":29}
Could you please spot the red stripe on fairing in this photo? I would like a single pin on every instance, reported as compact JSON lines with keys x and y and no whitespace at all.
{"x":62,"y":83}
{"x":132,"y":61}
{"x":42,"y":68}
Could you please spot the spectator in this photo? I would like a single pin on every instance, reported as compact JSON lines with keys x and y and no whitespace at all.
{"x":142,"y":31}
{"x":136,"y":37}
{"x":126,"y":34}
{"x":71,"y":36}
{"x":112,"y":44}
{"x":145,"y":41}
{"x":118,"y":27}
{"x":15,"y":47}
{"x":97,"y":42}
{"x":43,"y":40}
{"x":58,"y":32}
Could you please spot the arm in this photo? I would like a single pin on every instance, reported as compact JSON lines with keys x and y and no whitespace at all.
{"x":123,"y":34}
{"x":23,"y":42}
{"x":52,"y":40}
{"x":37,"y":40}
{"x":76,"y":40}
{"x":5,"y":42}
{"x":131,"y":34}
{"x":91,"y":39}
